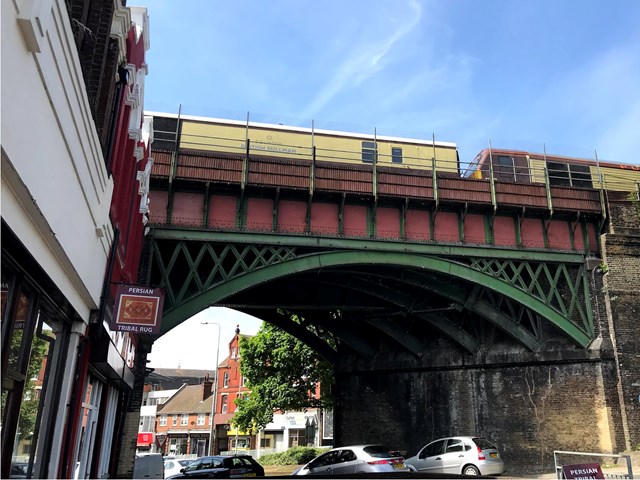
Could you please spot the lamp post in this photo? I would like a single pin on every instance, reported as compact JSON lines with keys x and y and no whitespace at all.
{"x":212,"y":428}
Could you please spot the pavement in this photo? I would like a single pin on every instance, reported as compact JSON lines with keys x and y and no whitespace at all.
{"x":609,"y":473}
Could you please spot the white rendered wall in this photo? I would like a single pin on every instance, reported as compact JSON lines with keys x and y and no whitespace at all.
{"x":55,"y":188}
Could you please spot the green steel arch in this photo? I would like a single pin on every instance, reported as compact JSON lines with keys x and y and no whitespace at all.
{"x":201,"y":272}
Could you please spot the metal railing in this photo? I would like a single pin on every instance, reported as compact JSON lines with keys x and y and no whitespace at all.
{"x":625,"y":472}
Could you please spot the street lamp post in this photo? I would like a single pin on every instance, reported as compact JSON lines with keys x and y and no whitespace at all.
{"x":212,"y":429}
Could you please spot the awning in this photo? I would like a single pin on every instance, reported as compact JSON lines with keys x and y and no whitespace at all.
{"x":145,"y":439}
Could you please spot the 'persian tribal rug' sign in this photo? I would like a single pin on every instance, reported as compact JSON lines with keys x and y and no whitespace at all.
{"x":137,"y":309}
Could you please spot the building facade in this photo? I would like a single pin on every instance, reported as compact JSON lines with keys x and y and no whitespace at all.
{"x":184,"y":425}
{"x":75,"y":167}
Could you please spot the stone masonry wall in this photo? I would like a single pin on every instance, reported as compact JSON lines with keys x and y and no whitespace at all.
{"x":621,"y":262}
{"x":528,"y":410}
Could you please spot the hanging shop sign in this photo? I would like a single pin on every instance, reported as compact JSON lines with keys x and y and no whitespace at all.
{"x":137,"y":309}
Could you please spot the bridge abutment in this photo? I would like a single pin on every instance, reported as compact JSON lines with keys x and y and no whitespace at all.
{"x":528,"y":408}
{"x":621,"y":262}
{"x":560,"y":397}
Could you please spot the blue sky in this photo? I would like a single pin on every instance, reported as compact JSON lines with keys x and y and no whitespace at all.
{"x":526,"y":74}
{"x":560,"y":74}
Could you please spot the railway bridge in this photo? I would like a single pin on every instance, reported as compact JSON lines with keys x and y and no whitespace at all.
{"x":454,"y":305}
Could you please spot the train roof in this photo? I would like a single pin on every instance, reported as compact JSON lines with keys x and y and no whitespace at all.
{"x":307,"y":130}
{"x":563,"y":158}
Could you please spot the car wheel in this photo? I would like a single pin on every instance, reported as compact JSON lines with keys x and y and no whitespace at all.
{"x":470,"y":470}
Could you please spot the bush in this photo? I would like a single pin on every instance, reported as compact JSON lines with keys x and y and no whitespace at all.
{"x":293,"y":456}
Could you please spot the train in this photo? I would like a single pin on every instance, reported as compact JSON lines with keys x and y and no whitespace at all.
{"x":311,"y":144}
{"x":518,"y":166}
{"x":264,"y":139}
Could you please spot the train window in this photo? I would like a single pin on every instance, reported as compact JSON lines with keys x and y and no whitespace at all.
{"x":569,"y":175}
{"x":505,"y":161}
{"x":505,"y":170}
{"x":368,"y":151}
{"x":558,"y":174}
{"x":580,"y":176}
{"x":396,"y":155}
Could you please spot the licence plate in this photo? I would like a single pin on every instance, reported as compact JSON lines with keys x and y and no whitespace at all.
{"x":493,"y":455}
{"x":252,"y":474}
{"x":398,"y":465}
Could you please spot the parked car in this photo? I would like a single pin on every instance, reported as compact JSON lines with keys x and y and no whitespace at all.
{"x":172,"y":466}
{"x":458,"y":455}
{"x":222,"y":466}
{"x":355,"y":459}
{"x":19,"y":470}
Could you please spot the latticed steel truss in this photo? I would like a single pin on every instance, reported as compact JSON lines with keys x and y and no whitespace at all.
{"x":515,"y":291}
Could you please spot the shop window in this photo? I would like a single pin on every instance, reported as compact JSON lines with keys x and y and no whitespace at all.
{"x":265,"y":442}
{"x":297,"y":438}
{"x":88,"y":425}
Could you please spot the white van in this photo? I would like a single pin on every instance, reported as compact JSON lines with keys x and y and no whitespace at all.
{"x":148,"y":465}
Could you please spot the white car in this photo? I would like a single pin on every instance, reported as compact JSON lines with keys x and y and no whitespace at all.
{"x":354,"y":459}
{"x":173,"y":466}
{"x":458,"y":455}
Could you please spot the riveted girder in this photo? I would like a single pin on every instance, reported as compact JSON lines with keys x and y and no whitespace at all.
{"x":438,"y":286}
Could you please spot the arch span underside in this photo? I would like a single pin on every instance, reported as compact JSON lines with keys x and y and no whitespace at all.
{"x":369,"y":295}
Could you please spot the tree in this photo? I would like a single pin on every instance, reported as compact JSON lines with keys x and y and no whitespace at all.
{"x":283,"y":374}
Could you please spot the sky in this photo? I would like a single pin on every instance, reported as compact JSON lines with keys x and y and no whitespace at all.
{"x":559,"y":76}
{"x":193,"y":344}
{"x":555,"y":75}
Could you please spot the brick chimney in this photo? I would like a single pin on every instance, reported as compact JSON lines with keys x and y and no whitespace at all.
{"x":206,"y":387}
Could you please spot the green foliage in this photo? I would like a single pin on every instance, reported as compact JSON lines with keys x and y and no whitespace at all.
{"x":293,"y":456}
{"x":282,"y":372}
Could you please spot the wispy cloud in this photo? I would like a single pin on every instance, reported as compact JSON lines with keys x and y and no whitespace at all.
{"x":363,"y":61}
{"x":598,"y":102}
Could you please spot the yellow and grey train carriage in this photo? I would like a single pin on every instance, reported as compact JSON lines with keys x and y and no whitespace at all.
{"x":518,"y":166}
{"x":271,"y":140}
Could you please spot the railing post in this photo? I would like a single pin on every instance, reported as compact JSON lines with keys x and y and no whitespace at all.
{"x":375,"y":166}
{"x":547,"y":185}
{"x":434,"y":175}
{"x":492,"y":180}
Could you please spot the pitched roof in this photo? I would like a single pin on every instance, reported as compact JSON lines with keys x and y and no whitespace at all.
{"x":184,"y":373}
{"x":187,"y":400}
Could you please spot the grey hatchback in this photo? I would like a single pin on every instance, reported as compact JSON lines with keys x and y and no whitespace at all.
{"x":465,"y":455}
{"x":354,"y":459}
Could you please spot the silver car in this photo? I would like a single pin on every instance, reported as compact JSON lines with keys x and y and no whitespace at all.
{"x":355,"y":459}
{"x":459,"y":455}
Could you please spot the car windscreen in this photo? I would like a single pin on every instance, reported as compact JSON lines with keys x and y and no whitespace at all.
{"x":484,"y":444}
{"x":378,"y":451}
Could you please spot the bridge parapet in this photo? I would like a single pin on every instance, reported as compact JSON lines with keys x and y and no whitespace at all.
{"x":207,"y":191}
